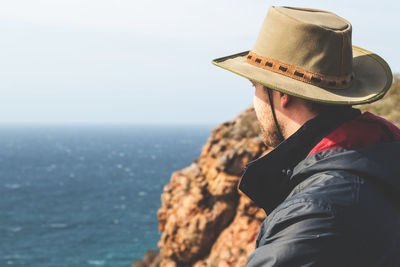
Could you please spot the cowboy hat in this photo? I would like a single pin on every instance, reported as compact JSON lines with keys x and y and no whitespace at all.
{"x":308,"y":53}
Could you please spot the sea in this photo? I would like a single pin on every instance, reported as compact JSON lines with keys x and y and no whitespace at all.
{"x":87,"y":195}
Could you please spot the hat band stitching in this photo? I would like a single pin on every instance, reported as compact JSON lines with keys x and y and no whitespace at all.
{"x":320,"y":80}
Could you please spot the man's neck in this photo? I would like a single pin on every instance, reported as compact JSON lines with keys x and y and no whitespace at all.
{"x":295,"y":120}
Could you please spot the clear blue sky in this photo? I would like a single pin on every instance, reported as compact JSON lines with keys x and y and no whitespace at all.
{"x":129,"y":61}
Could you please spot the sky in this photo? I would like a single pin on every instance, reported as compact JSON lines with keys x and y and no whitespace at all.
{"x":147,"y":62}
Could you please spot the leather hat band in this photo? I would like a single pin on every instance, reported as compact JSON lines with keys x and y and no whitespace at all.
{"x":320,"y":80}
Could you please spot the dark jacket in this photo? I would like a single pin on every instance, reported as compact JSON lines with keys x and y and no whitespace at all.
{"x":332,"y":194}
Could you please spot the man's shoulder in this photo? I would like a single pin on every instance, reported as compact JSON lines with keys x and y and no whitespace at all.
{"x":332,"y":210}
{"x":333,"y":200}
{"x":327,"y":188}
{"x":329,"y":192}
{"x":314,"y":208}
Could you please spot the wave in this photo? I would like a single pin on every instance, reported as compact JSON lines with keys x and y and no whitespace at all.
{"x":96,"y":262}
{"x":12,"y":186}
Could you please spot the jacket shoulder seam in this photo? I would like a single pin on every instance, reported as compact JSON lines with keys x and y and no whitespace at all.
{"x":289,"y":203}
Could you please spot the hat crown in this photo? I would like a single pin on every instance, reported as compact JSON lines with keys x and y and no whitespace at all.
{"x":307,"y":53}
{"x":314,"y":40}
{"x":311,"y":16}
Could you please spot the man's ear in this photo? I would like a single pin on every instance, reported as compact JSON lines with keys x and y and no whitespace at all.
{"x":285,"y":100}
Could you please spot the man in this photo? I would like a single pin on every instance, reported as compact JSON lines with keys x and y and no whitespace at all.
{"x":331,"y":186}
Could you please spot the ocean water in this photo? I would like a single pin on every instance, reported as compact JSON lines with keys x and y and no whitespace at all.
{"x":86,"y":196}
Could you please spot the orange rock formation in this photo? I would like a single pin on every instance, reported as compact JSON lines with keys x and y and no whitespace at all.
{"x":204,"y":220}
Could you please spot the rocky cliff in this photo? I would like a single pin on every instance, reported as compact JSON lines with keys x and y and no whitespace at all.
{"x":204,"y":220}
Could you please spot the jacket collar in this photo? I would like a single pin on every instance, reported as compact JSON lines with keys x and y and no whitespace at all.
{"x":266,"y":180}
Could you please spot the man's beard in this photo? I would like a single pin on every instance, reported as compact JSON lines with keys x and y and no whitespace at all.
{"x":270,"y":134}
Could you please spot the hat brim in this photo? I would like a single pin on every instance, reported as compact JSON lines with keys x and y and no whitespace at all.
{"x":373,"y":79}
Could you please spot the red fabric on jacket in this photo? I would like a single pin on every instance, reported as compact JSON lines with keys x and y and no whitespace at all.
{"x":366,"y":130}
